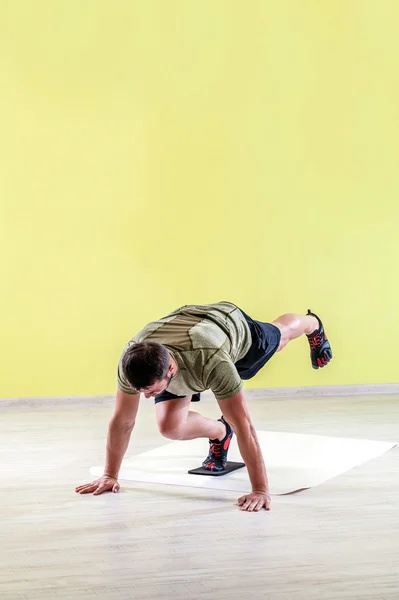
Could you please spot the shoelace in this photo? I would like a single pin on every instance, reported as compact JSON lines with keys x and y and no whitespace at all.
{"x":315,"y":341}
{"x":215,"y":448}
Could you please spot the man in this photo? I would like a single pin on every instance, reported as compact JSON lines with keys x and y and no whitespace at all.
{"x":192,"y":349}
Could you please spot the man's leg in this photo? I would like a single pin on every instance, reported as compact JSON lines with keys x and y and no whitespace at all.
{"x":176,"y":422}
{"x":293,"y":326}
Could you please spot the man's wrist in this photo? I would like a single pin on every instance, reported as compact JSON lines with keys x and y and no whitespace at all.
{"x":110,"y":476}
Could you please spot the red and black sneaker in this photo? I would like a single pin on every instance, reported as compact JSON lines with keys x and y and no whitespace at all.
{"x":320,"y":349}
{"x":217,"y":457}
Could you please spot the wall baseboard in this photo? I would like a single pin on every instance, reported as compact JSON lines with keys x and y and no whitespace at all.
{"x":251,"y":394}
{"x":324,"y":390}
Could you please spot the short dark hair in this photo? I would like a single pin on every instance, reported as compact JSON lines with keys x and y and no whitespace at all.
{"x":144,"y":363}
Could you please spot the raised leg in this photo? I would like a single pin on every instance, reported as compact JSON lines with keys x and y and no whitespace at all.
{"x":293,"y":326}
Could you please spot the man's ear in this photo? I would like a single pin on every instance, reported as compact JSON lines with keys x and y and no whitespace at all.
{"x":170,"y":369}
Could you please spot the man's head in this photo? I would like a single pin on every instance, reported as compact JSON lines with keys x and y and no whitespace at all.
{"x":148,"y":368}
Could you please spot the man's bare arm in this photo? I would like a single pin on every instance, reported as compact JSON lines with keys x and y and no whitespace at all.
{"x":119,"y":431}
{"x":236,"y":413}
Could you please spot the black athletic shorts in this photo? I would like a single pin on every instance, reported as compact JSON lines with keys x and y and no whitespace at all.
{"x":265,"y":342}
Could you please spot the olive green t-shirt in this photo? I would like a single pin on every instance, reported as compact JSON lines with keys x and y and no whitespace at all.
{"x":205,"y":341}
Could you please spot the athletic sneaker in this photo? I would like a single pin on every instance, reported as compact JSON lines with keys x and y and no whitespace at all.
{"x":217,"y":457}
{"x":320,"y":349}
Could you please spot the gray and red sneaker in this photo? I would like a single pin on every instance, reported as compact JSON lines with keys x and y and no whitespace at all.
{"x":217,"y":457}
{"x":320,"y":349}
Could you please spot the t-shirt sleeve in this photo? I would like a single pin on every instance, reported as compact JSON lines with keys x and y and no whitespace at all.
{"x":223,"y":379}
{"x":123,"y":383}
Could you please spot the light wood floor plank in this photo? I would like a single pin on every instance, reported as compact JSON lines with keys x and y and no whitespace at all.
{"x":339,"y":541}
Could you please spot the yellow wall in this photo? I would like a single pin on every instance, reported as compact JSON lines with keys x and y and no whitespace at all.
{"x":157,"y":153}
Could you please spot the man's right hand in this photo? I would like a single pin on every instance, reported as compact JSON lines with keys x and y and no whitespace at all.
{"x":119,"y":430}
{"x":99,"y":486}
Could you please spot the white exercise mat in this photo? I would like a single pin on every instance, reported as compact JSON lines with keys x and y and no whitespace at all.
{"x":293,"y":461}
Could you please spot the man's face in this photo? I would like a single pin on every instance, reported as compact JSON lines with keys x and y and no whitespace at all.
{"x":157,"y":387}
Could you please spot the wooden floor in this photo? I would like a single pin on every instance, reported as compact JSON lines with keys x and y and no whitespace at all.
{"x":337,"y":541}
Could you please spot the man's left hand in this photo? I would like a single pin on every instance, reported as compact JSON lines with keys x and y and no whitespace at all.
{"x":255,"y":501}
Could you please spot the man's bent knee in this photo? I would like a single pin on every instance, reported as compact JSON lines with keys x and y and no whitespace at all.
{"x":285,"y":334}
{"x":287,"y":324}
{"x":171,"y":431}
